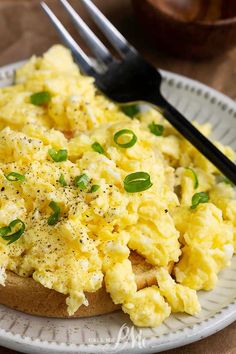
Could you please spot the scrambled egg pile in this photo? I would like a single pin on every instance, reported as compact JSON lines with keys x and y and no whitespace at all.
{"x":62,"y":178}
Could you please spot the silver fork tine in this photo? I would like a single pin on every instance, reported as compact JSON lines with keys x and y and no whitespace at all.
{"x":114,"y":36}
{"x":94,"y":43}
{"x":83,"y":60}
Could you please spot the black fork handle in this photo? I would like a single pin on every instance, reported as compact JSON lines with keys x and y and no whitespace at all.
{"x":198,"y":140}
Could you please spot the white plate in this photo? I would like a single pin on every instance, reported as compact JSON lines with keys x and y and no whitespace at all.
{"x":103,"y":333}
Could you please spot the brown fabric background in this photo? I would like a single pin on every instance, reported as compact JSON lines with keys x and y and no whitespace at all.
{"x":25,"y":30}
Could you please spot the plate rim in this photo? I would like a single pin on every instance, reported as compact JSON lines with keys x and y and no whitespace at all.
{"x":215,"y":323}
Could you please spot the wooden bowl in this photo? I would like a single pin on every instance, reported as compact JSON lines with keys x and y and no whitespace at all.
{"x":189,"y":28}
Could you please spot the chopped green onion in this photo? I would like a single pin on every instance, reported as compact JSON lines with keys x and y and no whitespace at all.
{"x":5,"y":231}
{"x":198,"y":198}
{"x":40,"y":98}
{"x":137,"y":182}
{"x":193,"y":176}
{"x":94,"y":188}
{"x":53,"y":219}
{"x":98,"y":148}
{"x":62,"y":180}
{"x":14,"y":176}
{"x":227,"y":181}
{"x":127,"y":133}
{"x":58,"y":156}
{"x":156,"y":129}
{"x":131,"y":110}
{"x":82,"y":181}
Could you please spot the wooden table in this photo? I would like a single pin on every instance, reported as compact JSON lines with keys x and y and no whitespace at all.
{"x":24,"y":30}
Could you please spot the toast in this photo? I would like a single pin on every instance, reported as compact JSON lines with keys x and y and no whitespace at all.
{"x":26,"y":295}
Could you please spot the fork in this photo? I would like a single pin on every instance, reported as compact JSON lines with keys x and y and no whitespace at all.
{"x":130,"y":79}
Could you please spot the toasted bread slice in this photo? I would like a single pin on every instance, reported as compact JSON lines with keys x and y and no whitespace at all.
{"x":26,"y":295}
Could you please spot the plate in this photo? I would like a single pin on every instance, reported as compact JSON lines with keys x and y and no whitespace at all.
{"x":114,"y":333}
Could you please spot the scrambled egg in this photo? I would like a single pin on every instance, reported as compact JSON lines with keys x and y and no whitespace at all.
{"x":93,"y":226}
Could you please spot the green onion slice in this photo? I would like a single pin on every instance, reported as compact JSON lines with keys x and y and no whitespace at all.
{"x":53,"y":219}
{"x":40,"y":98}
{"x":14,"y":177}
{"x":5,"y":231}
{"x":227,"y":181}
{"x":98,"y":148}
{"x":62,"y":180}
{"x":94,"y":188}
{"x":198,"y":198}
{"x":137,"y":182}
{"x":156,"y":129}
{"x":193,"y":175}
{"x":58,"y":156}
{"x":82,"y":181}
{"x":131,"y":110}
{"x":125,"y":133}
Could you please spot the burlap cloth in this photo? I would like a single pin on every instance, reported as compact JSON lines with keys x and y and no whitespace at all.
{"x":24,"y":30}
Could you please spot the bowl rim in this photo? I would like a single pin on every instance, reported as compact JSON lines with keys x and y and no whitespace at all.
{"x":218,"y":23}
